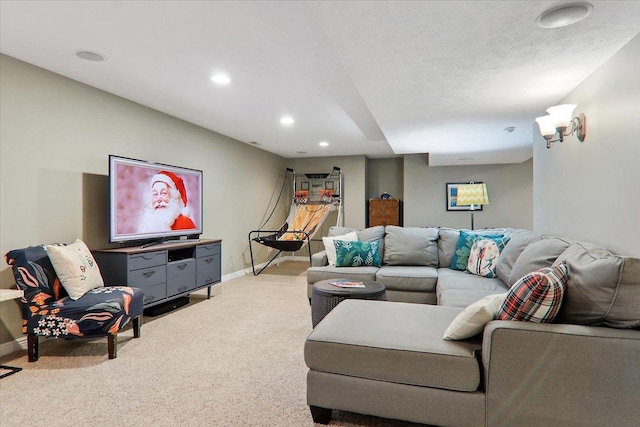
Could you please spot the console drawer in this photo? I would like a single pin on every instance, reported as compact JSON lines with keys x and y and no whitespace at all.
{"x":147,"y":259}
{"x":208,"y":270}
{"x":209,"y":249}
{"x":147,"y":276}
{"x":154,"y":293}
{"x":181,"y":276}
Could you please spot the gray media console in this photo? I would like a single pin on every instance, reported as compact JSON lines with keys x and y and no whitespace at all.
{"x":164,"y":272}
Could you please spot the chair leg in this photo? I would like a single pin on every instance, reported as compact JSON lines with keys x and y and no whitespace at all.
{"x":137,"y":324}
{"x":32,"y":347}
{"x":112,"y":344}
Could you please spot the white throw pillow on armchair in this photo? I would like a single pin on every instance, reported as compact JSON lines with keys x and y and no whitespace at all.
{"x":75,"y":267}
{"x":330,"y":248}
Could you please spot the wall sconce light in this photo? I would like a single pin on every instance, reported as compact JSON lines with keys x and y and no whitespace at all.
{"x":560,"y":120}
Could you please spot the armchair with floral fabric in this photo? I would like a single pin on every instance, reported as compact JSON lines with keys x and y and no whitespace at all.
{"x":48,"y":310}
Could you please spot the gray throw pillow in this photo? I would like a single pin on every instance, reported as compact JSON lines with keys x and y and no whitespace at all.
{"x":537,"y":255}
{"x":593,"y":289}
{"x":411,"y":246}
{"x":519,"y":240}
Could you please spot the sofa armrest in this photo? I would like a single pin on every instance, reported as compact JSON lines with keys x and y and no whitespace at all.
{"x":319,"y":259}
{"x":552,"y":374}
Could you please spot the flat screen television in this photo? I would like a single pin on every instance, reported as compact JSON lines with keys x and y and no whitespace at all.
{"x":153,"y":202}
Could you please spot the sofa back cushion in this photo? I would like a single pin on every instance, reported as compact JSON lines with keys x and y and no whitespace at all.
{"x":411,"y":246}
{"x":519,"y":240}
{"x":447,"y":241}
{"x":602,"y":288}
{"x":537,"y":255}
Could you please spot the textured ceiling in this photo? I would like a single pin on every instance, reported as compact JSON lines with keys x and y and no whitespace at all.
{"x":376,"y":78}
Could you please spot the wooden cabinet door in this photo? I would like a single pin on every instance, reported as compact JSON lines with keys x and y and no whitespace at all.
{"x":384,"y":212}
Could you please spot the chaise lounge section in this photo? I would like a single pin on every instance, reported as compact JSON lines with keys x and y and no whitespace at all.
{"x":389,"y":358}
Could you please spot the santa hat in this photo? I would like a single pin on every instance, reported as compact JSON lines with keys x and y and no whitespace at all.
{"x":173,"y":181}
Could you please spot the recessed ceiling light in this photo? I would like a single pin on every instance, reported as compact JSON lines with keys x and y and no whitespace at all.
{"x":323,"y":144}
{"x":287,"y":120}
{"x":90,"y":56}
{"x":564,"y":15}
{"x":221,"y":79}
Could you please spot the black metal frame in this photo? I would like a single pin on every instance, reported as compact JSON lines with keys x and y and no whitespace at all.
{"x":281,"y":245}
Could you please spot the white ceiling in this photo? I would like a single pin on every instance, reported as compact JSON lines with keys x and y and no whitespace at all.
{"x":379,"y":78}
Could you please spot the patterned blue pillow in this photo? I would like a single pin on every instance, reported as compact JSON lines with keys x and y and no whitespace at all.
{"x":357,"y":254}
{"x":463,"y":247}
{"x":484,"y":255}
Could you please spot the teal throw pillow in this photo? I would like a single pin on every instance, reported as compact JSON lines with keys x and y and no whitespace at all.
{"x":465,"y":242}
{"x":357,"y":254}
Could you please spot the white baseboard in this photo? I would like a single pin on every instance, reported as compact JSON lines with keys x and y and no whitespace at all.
{"x":248,"y":271}
{"x":13,"y":346}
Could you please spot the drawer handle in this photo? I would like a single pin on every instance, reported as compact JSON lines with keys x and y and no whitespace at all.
{"x":149,"y":298}
{"x":182,"y":288}
{"x":209,"y":260}
{"x":148,"y":273}
{"x":182,"y":266}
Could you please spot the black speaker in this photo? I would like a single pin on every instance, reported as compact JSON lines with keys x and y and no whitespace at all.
{"x":166,"y":307}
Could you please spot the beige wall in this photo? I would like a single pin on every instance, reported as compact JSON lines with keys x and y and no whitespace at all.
{"x":55,"y":138}
{"x":590,"y":190}
{"x":510,"y":189}
{"x":385,"y":175}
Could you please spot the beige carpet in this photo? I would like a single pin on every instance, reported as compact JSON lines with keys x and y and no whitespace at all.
{"x":234,"y":360}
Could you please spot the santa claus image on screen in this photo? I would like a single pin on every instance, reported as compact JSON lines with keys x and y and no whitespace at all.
{"x":167,"y":209}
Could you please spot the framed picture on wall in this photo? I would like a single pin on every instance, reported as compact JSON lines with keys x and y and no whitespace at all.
{"x":452,"y":194}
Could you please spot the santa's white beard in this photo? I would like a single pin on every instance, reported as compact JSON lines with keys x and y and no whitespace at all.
{"x":154,"y":220}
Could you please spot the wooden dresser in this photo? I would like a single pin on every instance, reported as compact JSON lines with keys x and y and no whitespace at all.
{"x":384,"y":212}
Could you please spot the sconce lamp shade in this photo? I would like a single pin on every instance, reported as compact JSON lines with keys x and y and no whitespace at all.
{"x":547,"y":125}
{"x":472,"y":194}
{"x":561,"y":114}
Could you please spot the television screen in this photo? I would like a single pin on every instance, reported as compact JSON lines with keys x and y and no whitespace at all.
{"x":153,"y":201}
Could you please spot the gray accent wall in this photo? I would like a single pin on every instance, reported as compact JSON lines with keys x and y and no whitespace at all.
{"x":510,"y":188}
{"x":591,"y":190}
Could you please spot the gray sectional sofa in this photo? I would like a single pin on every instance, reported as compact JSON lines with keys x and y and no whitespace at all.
{"x":389,"y":358}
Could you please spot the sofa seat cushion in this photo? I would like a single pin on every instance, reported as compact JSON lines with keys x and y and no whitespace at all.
{"x":462,"y":298}
{"x":452,"y":279}
{"x":315,"y":274}
{"x":408,"y":278}
{"x":393,"y":342}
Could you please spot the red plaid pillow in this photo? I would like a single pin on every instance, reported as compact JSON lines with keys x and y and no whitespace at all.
{"x":537,"y":296}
